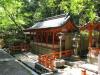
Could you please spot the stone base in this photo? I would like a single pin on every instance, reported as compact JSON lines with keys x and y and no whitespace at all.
{"x":75,"y":57}
{"x":92,"y":59}
{"x":59,"y":63}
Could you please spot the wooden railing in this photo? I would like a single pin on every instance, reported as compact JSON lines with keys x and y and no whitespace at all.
{"x":46,"y":45}
{"x":65,"y":53}
{"x":94,"y":51}
{"x":48,"y":59}
{"x":20,"y":47}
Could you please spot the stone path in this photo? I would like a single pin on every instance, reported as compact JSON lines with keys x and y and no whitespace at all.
{"x":10,"y":66}
{"x":31,"y":60}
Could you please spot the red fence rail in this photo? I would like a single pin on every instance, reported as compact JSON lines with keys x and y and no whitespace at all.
{"x":20,"y":47}
{"x":48,"y":59}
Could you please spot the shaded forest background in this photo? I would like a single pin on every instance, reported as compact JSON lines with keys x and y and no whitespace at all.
{"x":16,"y":15}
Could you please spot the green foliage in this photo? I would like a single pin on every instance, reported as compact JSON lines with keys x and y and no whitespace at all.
{"x":76,"y":6}
{"x":63,"y":5}
{"x":26,"y":12}
{"x":51,"y":3}
{"x":19,"y":14}
{"x":81,"y":11}
{"x":10,"y":13}
{"x":38,"y":15}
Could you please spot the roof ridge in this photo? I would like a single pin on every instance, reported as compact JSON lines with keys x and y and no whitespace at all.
{"x":54,"y":17}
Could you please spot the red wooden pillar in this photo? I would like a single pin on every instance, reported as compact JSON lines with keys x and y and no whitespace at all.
{"x":46,"y":38}
{"x":91,"y":27}
{"x":36,"y":39}
{"x":41,"y":35}
{"x":90,"y":38}
{"x":53,"y":39}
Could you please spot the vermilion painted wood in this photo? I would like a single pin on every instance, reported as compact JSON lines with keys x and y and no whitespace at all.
{"x":48,"y":59}
{"x":21,"y":47}
{"x":43,"y":35}
{"x":88,"y":26}
{"x":53,"y":40}
{"x":69,"y":26}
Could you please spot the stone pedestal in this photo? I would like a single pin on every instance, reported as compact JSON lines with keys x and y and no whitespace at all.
{"x":99,"y":64}
{"x":76,"y":57}
{"x":59,"y":63}
{"x":92,"y":57}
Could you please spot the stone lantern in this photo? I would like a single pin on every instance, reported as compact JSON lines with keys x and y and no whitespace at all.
{"x":60,"y":36}
{"x":76,"y":40}
{"x":60,"y":62}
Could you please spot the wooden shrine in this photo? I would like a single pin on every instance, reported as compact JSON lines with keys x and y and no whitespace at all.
{"x":45,"y":34}
{"x":45,"y":38}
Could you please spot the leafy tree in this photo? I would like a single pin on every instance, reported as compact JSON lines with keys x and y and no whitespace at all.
{"x":10,"y":13}
{"x":11,"y":18}
{"x":29,"y":10}
{"x":81,"y":11}
{"x":47,"y":8}
{"x":16,"y":14}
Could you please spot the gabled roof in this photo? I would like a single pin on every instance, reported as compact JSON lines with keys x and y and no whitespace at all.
{"x":51,"y":22}
{"x":96,"y":26}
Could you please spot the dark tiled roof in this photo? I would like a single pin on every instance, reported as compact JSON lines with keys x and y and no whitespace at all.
{"x":55,"y":21}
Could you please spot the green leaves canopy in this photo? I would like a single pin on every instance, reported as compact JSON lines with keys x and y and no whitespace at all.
{"x":81,"y":11}
{"x":10,"y":13}
{"x":19,"y":13}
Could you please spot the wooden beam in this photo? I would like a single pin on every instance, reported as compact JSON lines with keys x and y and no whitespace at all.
{"x":53,"y":40}
{"x":91,"y":28}
{"x":47,"y":38}
{"x":41,"y":37}
{"x":90,"y":38}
